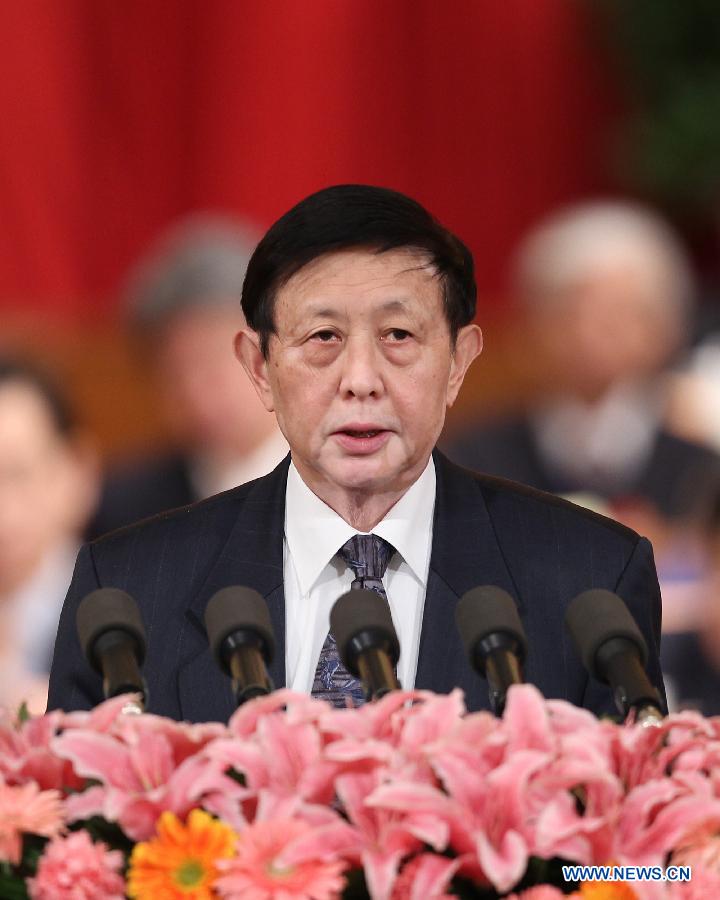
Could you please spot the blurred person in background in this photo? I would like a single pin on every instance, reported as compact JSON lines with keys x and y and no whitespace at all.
{"x":48,"y":488}
{"x":607,"y":290}
{"x":694,"y":408}
{"x":184,"y":305}
{"x":690,"y":657}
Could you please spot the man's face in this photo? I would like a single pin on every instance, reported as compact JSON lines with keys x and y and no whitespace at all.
{"x":361,"y":369}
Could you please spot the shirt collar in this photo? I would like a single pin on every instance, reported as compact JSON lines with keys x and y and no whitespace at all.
{"x":314,"y":532}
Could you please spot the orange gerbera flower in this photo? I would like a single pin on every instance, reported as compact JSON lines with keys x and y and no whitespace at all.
{"x":179,"y":864}
{"x":606,"y":890}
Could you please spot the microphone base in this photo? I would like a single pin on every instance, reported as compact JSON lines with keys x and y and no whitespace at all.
{"x":376,"y":673}
{"x":248,"y":673}
{"x":121,"y":673}
{"x":502,"y":668}
{"x":618,"y":661}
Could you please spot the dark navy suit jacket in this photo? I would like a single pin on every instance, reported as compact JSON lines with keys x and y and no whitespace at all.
{"x":541,"y":549}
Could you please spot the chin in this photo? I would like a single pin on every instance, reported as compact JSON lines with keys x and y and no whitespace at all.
{"x":360,"y":474}
{"x":370,"y":476}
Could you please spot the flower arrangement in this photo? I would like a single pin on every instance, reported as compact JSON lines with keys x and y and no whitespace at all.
{"x":409,"y":798}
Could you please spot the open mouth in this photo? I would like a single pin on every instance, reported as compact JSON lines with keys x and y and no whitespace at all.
{"x":362,"y":440}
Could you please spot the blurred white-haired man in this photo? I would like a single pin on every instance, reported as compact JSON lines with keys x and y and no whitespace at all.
{"x":606,"y":290}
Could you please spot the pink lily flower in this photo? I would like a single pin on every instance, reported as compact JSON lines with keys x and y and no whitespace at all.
{"x":425,"y":877}
{"x":287,"y":757}
{"x":657,"y":816}
{"x":26,"y":754}
{"x":147,"y":766}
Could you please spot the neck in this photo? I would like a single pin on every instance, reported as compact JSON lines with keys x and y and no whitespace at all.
{"x":362,"y":509}
{"x":363,"y":512}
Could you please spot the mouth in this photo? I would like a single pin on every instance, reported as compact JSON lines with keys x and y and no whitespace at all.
{"x":357,"y":433}
{"x":362,"y":439}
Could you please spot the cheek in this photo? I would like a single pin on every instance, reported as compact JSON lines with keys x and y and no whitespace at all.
{"x":301,"y":400}
{"x":427,"y":387}
{"x":420,"y":403}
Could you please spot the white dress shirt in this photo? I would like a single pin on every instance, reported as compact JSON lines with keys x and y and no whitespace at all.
{"x":315,"y":576}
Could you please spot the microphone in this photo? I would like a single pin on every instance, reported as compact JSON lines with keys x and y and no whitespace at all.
{"x":367,"y":643}
{"x":112,"y":637}
{"x":614,"y":651}
{"x":241,"y":639}
{"x":494,"y":639}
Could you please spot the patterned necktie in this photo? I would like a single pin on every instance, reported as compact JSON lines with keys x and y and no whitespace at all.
{"x":368,"y":556}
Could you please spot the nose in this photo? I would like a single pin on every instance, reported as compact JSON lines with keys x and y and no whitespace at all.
{"x":361,"y":375}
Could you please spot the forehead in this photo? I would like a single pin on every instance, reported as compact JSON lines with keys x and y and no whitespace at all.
{"x":361,"y":281}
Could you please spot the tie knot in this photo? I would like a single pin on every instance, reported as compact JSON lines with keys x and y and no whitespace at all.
{"x":367,"y":555}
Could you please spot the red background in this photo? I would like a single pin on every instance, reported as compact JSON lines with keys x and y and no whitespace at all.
{"x":118,"y":116}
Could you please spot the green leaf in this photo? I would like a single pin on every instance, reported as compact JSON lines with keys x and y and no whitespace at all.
{"x":12,"y":886}
{"x":356,"y":888}
{"x":110,"y":833}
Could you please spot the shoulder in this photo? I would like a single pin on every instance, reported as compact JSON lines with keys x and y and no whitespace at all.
{"x":186,"y":517}
{"x":548,"y":546}
{"x":511,"y":503}
{"x":204,"y":524}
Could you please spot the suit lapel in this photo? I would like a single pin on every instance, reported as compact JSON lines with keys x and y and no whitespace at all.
{"x":465,"y":554}
{"x":252,"y":556}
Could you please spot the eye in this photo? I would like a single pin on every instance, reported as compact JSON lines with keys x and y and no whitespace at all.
{"x":323,"y":337}
{"x":397,"y":335}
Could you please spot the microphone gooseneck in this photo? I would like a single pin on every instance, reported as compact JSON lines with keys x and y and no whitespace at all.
{"x":112,"y":637}
{"x":241,"y":639}
{"x":614,"y":651}
{"x":494,"y":638}
{"x":366,"y":639}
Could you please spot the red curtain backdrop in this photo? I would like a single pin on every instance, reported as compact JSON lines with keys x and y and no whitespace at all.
{"x":119,"y":116}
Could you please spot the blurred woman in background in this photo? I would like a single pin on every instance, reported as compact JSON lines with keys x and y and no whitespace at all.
{"x":48,"y":489}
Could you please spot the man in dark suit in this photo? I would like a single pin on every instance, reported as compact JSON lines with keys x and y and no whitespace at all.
{"x":360,"y":330}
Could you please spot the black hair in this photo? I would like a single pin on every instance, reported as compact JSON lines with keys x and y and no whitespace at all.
{"x":348,"y":216}
{"x":61,"y":414}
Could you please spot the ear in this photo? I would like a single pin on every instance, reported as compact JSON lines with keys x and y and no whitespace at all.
{"x":247,"y":350}
{"x":468,"y":346}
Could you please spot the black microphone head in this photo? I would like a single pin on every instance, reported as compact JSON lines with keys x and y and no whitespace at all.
{"x":488,"y":610}
{"x":595,"y":617}
{"x":361,"y":619}
{"x":234,"y":609}
{"x":109,"y":609}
